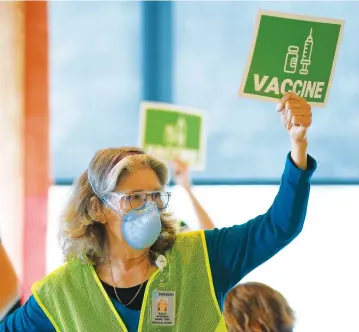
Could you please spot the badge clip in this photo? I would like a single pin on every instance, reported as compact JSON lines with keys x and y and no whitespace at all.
{"x":161,"y":262}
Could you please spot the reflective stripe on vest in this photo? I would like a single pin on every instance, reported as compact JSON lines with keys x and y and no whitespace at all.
{"x":73,"y":298}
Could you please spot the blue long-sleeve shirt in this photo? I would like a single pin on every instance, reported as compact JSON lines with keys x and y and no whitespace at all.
{"x":233,"y":252}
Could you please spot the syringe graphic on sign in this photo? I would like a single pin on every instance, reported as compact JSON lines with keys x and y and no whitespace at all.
{"x":307,"y":54}
{"x":176,"y":135}
{"x":291,"y":59}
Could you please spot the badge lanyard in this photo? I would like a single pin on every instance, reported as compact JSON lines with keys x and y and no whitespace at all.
{"x":163,"y":300}
{"x":162,"y":263}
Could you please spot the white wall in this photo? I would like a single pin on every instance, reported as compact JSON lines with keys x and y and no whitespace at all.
{"x":318,"y":272}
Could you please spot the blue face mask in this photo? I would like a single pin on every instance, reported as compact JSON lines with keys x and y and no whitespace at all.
{"x":141,"y":228}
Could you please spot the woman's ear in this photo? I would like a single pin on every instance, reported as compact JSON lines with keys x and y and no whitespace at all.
{"x":96,"y":212}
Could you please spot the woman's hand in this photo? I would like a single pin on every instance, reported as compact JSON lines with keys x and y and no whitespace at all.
{"x":181,"y":174}
{"x":296,"y":116}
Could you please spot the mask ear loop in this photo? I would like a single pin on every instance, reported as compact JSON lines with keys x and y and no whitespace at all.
{"x":93,"y":188}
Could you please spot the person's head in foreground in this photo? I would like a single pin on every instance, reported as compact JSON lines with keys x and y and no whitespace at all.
{"x":119,"y":204}
{"x":255,"y":307}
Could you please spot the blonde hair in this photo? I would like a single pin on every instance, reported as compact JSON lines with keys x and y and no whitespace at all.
{"x":81,"y":236}
{"x":255,"y":305}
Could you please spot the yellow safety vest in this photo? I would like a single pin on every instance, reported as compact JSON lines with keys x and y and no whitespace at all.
{"x":73,"y":298}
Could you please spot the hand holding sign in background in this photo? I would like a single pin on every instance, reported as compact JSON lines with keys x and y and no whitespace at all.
{"x":181,"y":174}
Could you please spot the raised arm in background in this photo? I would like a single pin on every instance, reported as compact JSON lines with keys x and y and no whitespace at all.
{"x":182,"y":178}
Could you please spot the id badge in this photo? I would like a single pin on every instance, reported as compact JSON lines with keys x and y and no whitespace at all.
{"x":163,"y":308}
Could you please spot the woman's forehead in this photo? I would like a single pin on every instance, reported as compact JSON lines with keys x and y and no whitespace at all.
{"x":139,"y":180}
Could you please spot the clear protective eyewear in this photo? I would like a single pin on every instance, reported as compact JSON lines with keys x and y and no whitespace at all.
{"x":137,"y":201}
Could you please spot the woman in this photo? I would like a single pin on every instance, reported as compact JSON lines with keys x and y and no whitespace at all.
{"x":124,"y":253}
{"x":255,"y":307}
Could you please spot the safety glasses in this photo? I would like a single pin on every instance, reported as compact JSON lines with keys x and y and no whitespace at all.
{"x":138,"y":200}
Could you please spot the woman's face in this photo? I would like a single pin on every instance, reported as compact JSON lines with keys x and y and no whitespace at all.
{"x":141,"y":180}
{"x":162,"y":306}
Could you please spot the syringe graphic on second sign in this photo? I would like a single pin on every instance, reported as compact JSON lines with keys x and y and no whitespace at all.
{"x":181,"y":132}
{"x":307,"y":54}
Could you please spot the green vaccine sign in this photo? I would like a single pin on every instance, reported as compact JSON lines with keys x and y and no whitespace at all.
{"x":168,"y":131}
{"x":292,"y":53}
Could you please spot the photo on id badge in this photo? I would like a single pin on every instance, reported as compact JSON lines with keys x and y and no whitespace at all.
{"x":163,"y":308}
